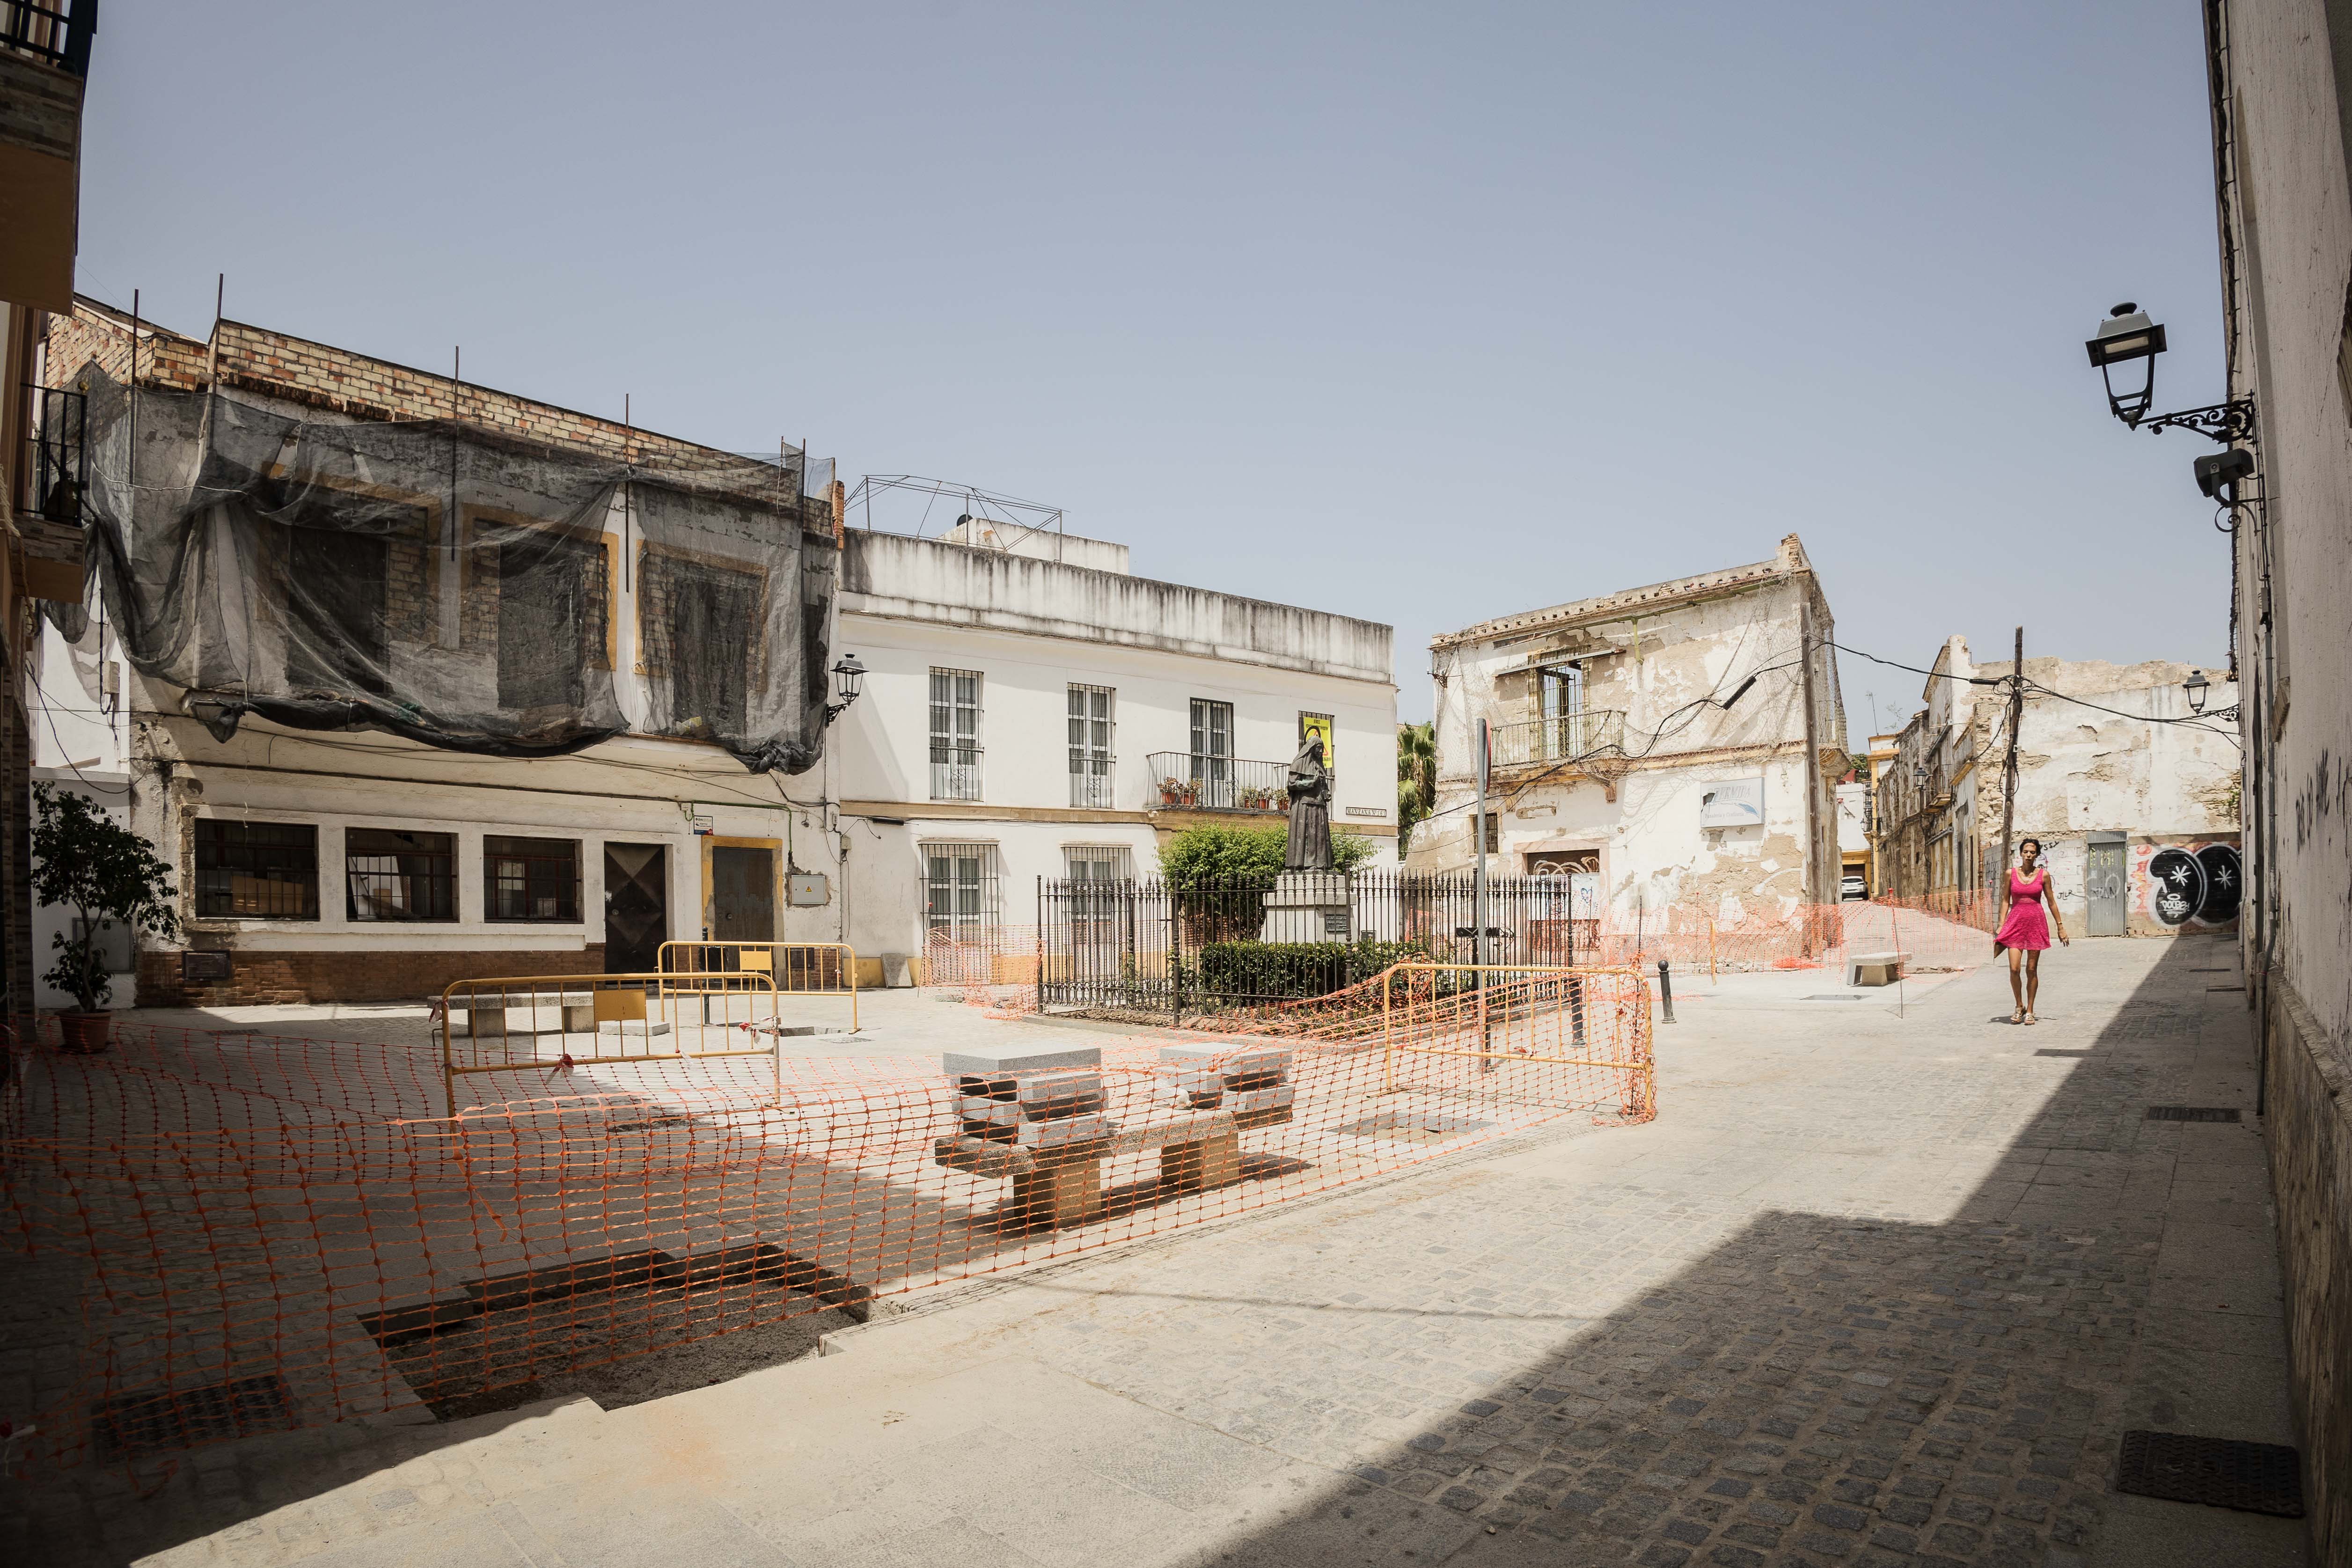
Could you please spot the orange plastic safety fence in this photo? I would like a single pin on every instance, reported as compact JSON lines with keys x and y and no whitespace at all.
{"x":264,"y":1232}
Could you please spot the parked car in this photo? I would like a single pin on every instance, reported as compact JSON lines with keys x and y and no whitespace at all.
{"x":1855,"y":887}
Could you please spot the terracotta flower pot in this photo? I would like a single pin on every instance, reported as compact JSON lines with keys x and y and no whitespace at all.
{"x":85,"y":1033}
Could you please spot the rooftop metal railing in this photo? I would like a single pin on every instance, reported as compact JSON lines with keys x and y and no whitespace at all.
{"x":58,"y":31}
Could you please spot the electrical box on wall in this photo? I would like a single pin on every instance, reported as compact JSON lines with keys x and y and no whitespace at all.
{"x":805,"y":888}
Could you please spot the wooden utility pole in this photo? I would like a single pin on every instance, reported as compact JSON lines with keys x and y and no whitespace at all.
{"x":2009,"y":766}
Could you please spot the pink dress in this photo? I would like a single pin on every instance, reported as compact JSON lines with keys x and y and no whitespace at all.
{"x":2027,"y":927}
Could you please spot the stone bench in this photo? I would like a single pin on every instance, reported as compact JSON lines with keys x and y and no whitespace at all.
{"x":1874,"y":968}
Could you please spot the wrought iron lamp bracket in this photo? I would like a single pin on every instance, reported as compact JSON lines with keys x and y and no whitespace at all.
{"x":2227,"y":423}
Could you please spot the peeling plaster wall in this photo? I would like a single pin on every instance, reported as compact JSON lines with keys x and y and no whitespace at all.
{"x":2082,"y":771}
{"x":1651,"y":654}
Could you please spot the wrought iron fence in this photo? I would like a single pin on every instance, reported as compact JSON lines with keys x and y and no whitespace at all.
{"x":1145,"y":946}
{"x":1563,"y":737}
{"x":1196,"y":781}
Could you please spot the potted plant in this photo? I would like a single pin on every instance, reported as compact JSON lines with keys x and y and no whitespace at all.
{"x":1169,"y":792}
{"x":86,"y":861}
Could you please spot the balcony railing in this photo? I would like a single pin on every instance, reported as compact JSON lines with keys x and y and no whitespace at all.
{"x":58,"y":31}
{"x":1091,"y":787}
{"x":1187,"y":781}
{"x":1563,"y":738}
{"x":956,"y":775}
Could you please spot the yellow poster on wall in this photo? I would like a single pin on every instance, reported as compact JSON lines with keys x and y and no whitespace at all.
{"x":1318,"y":725}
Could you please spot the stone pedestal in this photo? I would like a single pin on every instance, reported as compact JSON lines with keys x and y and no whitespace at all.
{"x":1310,"y":906}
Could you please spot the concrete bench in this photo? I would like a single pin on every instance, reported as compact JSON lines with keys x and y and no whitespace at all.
{"x":486,"y":1016}
{"x":1874,"y":968}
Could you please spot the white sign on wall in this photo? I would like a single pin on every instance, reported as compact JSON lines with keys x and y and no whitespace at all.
{"x":1732,"y":803}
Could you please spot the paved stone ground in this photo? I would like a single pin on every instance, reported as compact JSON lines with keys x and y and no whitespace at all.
{"x":1873,"y":1289}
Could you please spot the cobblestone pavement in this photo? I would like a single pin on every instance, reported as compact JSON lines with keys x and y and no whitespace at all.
{"x":1873,"y":1289}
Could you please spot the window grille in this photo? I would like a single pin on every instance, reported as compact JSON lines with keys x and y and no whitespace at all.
{"x":1212,"y":751}
{"x":960,"y":893}
{"x":531,"y":880}
{"x":1090,"y":746}
{"x":256,"y":870}
{"x":955,"y":735}
{"x":390,"y":875}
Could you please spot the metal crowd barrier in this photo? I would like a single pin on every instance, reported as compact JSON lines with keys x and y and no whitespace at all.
{"x":552,"y":1023}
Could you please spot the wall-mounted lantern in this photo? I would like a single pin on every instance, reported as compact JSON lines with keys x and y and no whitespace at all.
{"x":2129,"y":336}
{"x":849,"y":678}
{"x":2196,"y":687}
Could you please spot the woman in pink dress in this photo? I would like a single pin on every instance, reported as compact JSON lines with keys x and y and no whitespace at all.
{"x":2025,"y":934}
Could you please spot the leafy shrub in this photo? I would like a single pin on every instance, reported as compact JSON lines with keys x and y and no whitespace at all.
{"x":1210,"y":855}
{"x":1294,"y":969}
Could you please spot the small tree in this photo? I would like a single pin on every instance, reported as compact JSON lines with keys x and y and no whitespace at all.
{"x":1209,"y":855}
{"x":90,"y":863}
{"x":1416,"y":778}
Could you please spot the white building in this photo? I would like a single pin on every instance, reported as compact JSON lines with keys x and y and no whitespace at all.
{"x":1035,"y":712}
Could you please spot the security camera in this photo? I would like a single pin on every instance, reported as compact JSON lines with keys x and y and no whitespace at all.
{"x":2219,"y":475}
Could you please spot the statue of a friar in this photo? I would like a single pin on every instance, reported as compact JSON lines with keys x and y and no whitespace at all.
{"x":1309,"y":788}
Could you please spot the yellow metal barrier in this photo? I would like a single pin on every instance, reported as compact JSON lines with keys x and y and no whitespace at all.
{"x":797,"y":968}
{"x":552,"y":1023}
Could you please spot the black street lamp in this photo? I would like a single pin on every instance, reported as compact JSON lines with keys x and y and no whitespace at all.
{"x":2129,"y":336}
{"x":2196,"y":687}
{"x":2125,"y":337}
{"x":849,"y":677}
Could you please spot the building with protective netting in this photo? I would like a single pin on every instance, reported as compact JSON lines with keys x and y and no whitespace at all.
{"x":334,"y":605}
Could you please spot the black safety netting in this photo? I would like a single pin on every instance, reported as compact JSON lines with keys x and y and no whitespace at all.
{"x":456,"y":585}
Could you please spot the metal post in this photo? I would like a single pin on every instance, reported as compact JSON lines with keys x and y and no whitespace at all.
{"x":1388,"y":1034}
{"x":1478,"y":895}
{"x":1665,"y":992}
{"x":2009,"y":766}
{"x":1040,"y":944}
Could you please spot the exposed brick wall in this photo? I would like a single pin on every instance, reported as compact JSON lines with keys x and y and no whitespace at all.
{"x":318,"y":375}
{"x":2308,"y":1118}
{"x":377,"y":975}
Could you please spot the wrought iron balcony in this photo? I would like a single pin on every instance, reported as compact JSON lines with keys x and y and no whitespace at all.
{"x":955,"y":773}
{"x":56,"y":31}
{"x":1090,"y":782}
{"x":1563,"y":738}
{"x":56,"y":452}
{"x":1187,"y":781}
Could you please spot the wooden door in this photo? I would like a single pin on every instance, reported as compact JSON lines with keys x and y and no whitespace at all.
{"x":742,"y":894}
{"x":636,"y":907}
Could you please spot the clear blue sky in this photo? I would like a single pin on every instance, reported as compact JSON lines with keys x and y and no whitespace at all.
{"x":1423,"y":314}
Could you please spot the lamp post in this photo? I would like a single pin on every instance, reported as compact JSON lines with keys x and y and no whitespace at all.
{"x":849,"y":677}
{"x":2128,"y":336}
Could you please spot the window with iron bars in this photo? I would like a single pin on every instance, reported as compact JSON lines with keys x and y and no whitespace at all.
{"x":256,"y":870}
{"x":955,"y":735}
{"x":531,"y":880}
{"x":1090,"y":746}
{"x":959,"y":895}
{"x":391,"y":874}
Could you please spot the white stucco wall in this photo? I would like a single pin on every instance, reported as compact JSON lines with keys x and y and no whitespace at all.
{"x":1031,"y":628}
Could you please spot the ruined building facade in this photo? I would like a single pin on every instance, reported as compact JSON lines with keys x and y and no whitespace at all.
{"x":2132,"y":794}
{"x":1679,"y":743}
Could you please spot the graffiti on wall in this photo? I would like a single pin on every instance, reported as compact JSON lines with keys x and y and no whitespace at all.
{"x":2190,"y":884}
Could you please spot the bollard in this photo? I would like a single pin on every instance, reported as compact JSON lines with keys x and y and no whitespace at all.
{"x":1666,"y":994}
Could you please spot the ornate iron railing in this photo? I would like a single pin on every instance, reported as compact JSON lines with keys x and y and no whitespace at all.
{"x":1191,"y":780}
{"x":1563,"y":738}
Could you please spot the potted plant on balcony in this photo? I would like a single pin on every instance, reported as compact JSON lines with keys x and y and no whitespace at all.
{"x":86,"y":861}
{"x":1171,"y":792}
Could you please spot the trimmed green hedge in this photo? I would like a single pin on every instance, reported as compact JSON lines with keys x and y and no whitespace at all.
{"x":1292,"y":969}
